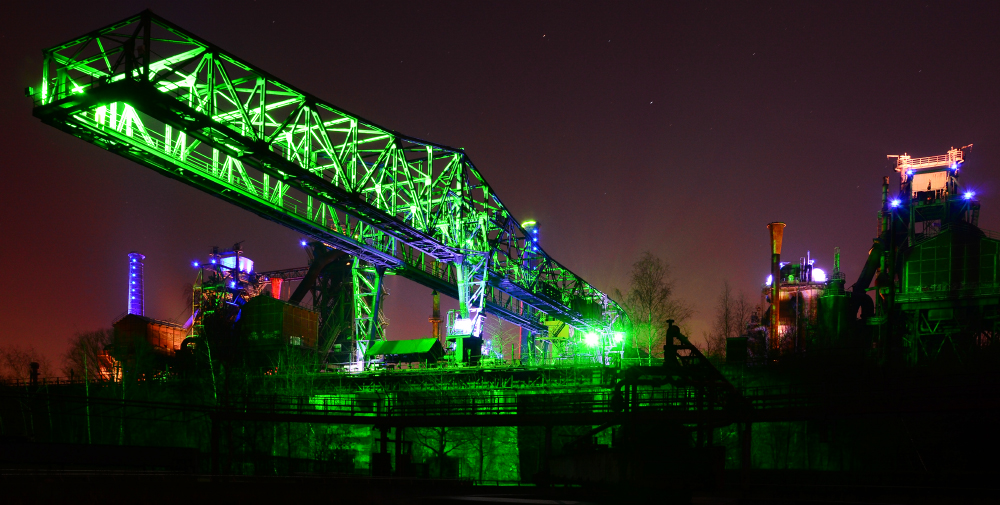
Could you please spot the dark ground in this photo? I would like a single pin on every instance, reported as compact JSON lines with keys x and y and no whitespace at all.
{"x":768,"y":487}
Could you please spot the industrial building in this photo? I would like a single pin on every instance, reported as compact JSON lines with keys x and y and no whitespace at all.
{"x":927,"y":293}
{"x":137,"y":335}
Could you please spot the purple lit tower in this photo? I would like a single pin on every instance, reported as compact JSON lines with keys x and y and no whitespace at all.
{"x":135,"y":299}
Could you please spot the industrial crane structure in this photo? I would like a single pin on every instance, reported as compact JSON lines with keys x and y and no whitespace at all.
{"x":156,"y":94}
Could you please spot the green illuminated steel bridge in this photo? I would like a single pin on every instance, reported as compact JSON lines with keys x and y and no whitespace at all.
{"x":153,"y":93}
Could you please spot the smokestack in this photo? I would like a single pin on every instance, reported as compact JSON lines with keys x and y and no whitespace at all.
{"x":435,"y":318}
{"x":777,"y":231}
{"x":883,"y":223}
{"x":276,"y":287}
{"x":135,"y":297}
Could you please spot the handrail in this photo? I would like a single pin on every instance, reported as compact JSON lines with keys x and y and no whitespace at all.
{"x":512,"y":402}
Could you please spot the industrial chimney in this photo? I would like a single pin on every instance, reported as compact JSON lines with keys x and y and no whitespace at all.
{"x":777,"y":231}
{"x":435,"y":318}
{"x":135,"y":297}
{"x":276,"y":287}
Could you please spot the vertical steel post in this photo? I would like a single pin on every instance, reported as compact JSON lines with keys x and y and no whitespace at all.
{"x":373,"y":326}
{"x":382,"y":467}
{"x":525,"y":349}
{"x":146,"y":39}
{"x":895,"y":351}
{"x":366,"y":286}
{"x":45,"y":91}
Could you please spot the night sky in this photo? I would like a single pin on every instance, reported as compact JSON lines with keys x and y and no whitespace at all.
{"x":682,"y":129}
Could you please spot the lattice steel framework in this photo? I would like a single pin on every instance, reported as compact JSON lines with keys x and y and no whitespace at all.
{"x":368,"y":318}
{"x":150,"y":91}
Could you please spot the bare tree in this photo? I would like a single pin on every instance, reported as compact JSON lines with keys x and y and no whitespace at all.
{"x":441,"y":441}
{"x":490,"y":446}
{"x":732,"y":313}
{"x":15,"y":362}
{"x":87,"y":347}
{"x":650,"y":303}
{"x":501,"y":337}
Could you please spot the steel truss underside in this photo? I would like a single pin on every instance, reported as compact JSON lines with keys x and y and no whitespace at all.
{"x":149,"y":91}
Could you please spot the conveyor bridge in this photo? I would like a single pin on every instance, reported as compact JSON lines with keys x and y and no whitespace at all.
{"x":152,"y":92}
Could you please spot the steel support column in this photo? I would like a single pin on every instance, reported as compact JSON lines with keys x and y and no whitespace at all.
{"x":366,"y":282}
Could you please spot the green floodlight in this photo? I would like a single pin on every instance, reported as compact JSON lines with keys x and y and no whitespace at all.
{"x":618,"y":337}
{"x":592,"y":339}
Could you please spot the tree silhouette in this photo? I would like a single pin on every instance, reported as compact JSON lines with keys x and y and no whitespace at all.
{"x":650,"y":303}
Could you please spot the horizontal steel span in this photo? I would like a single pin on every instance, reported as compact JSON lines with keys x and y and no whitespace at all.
{"x":150,"y":91}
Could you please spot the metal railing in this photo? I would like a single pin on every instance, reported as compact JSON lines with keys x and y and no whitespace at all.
{"x":367,"y":407}
{"x":490,"y":403}
{"x":50,"y":381}
{"x":904,"y":162}
{"x":929,"y":234}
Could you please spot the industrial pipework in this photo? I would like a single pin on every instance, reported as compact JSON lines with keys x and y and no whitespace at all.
{"x":435,"y":318}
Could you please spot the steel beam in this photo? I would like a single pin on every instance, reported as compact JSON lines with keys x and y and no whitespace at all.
{"x":154,"y":93}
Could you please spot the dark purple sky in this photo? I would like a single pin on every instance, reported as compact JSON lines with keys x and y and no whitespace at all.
{"x":682,"y":129}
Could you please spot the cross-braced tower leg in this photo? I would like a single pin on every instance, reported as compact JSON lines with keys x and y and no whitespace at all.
{"x":471,"y":274}
{"x":368,"y":320}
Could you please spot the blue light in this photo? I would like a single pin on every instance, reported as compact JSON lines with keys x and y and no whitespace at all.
{"x":232,"y":284}
{"x":302,"y":243}
{"x":894,"y":203}
{"x":911,"y":172}
{"x":968,"y":195}
{"x":535,"y":231}
{"x":246,"y":264}
{"x":954,"y":166}
{"x":195,"y":264}
{"x":535,"y":239}
{"x":213,"y":261}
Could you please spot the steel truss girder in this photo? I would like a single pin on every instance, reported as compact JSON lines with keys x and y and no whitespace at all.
{"x":151,"y":92}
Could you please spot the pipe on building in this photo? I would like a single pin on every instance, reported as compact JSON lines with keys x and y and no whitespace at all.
{"x":777,"y":231}
{"x":883,"y":223}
